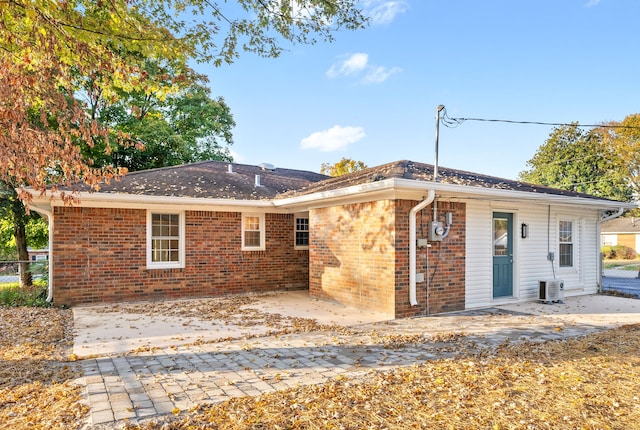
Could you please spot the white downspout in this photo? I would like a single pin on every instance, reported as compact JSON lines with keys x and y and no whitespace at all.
{"x":49,"y":215}
{"x":413,"y":246}
{"x":50,"y":262}
{"x":615,"y":215}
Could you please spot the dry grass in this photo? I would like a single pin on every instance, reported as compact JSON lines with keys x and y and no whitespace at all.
{"x":36,"y":379}
{"x":586,"y":383}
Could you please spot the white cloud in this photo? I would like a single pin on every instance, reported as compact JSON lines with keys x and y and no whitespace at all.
{"x":352,"y":65}
{"x":356,"y":65}
{"x":333,"y":139}
{"x":383,"y":12}
{"x":377,"y":75}
{"x":592,"y":3}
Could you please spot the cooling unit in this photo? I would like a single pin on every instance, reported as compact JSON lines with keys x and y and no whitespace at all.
{"x":551,"y":291}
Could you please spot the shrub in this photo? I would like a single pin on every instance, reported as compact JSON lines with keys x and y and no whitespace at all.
{"x":618,"y":252}
{"x":13,"y":295}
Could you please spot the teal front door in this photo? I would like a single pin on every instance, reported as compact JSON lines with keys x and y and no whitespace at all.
{"x":502,"y":254}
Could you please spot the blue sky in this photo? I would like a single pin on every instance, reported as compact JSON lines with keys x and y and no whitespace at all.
{"x":372,"y":94}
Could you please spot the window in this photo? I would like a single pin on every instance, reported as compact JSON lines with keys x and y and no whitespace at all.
{"x":253,"y":235}
{"x":302,"y":232}
{"x":165,"y":240}
{"x":500,"y":236}
{"x":565,"y":240}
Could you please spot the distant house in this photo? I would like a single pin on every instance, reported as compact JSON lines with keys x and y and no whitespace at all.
{"x":622,"y":232}
{"x":389,"y":238}
{"x":38,"y":254}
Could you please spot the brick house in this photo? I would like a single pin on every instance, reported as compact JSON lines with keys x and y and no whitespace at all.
{"x":389,"y":238}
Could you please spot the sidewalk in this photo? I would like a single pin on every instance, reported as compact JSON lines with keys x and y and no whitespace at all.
{"x":175,"y":377}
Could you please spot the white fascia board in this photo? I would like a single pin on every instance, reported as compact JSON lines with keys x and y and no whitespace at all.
{"x":388,"y":189}
{"x":135,"y":201}
{"x":514,"y":195}
{"x":379,"y":190}
{"x":412,"y":189}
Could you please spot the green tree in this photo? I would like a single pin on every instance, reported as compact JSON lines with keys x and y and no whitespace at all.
{"x":36,"y":230}
{"x":50,"y":50}
{"x":342,"y":167}
{"x":184,"y":126}
{"x":624,"y":139}
{"x":580,"y":161}
{"x":17,"y":228}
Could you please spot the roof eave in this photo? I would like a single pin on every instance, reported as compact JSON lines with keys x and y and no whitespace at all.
{"x":393,"y":188}
{"x":529,"y":196}
{"x":138,"y":201}
{"x":412,"y":189}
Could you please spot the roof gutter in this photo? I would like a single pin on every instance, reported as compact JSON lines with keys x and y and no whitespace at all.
{"x":339,"y":193}
{"x":462,"y":191}
{"x":497,"y":193}
{"x":105,"y":200}
{"x":413,"y":245}
{"x":613,"y":216}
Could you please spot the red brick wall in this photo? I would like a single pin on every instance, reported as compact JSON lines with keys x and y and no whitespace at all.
{"x":445,"y":270}
{"x":359,"y":256}
{"x":99,"y":255}
{"x":352,"y":255}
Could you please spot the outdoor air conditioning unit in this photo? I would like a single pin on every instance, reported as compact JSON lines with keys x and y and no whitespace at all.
{"x":551,"y":291}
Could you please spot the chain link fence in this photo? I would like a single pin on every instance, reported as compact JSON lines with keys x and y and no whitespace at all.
{"x":10,"y":270}
{"x":621,"y":277}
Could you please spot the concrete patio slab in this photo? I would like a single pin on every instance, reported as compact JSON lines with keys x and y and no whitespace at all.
{"x":122,"y":328}
{"x":601,"y":310}
{"x":175,"y":374}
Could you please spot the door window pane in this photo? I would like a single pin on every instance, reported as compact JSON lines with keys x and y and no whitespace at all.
{"x":500,"y":236}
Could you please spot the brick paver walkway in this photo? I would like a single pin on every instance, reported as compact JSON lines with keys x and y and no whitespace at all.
{"x":147,"y":384}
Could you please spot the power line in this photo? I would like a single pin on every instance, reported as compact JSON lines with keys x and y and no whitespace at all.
{"x":454,"y":122}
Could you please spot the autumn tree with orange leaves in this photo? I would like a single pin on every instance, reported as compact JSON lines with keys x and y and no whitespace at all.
{"x":50,"y":49}
{"x":342,"y":167}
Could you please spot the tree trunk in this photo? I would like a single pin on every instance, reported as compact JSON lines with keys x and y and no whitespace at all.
{"x":13,"y":207}
{"x":19,"y":231}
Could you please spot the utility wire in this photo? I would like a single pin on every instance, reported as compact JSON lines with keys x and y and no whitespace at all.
{"x":454,"y":122}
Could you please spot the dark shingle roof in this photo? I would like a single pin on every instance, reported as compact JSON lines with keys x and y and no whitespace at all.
{"x":621,"y":225}
{"x":405,"y":169}
{"x":211,"y":179}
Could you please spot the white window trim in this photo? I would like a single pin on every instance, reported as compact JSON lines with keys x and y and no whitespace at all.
{"x":180,"y":264}
{"x":295,"y":230}
{"x":263,"y":235}
{"x":573,"y":242}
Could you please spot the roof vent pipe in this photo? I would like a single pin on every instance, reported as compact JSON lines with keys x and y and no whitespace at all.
{"x":230,"y":168}
{"x":439,"y":109}
{"x":258,"y":181}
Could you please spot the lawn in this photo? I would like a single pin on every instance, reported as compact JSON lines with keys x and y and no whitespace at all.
{"x":36,"y":375}
{"x":622,"y":264}
{"x":590,"y":382}
{"x":12,"y":295}
{"x":586,"y":383}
